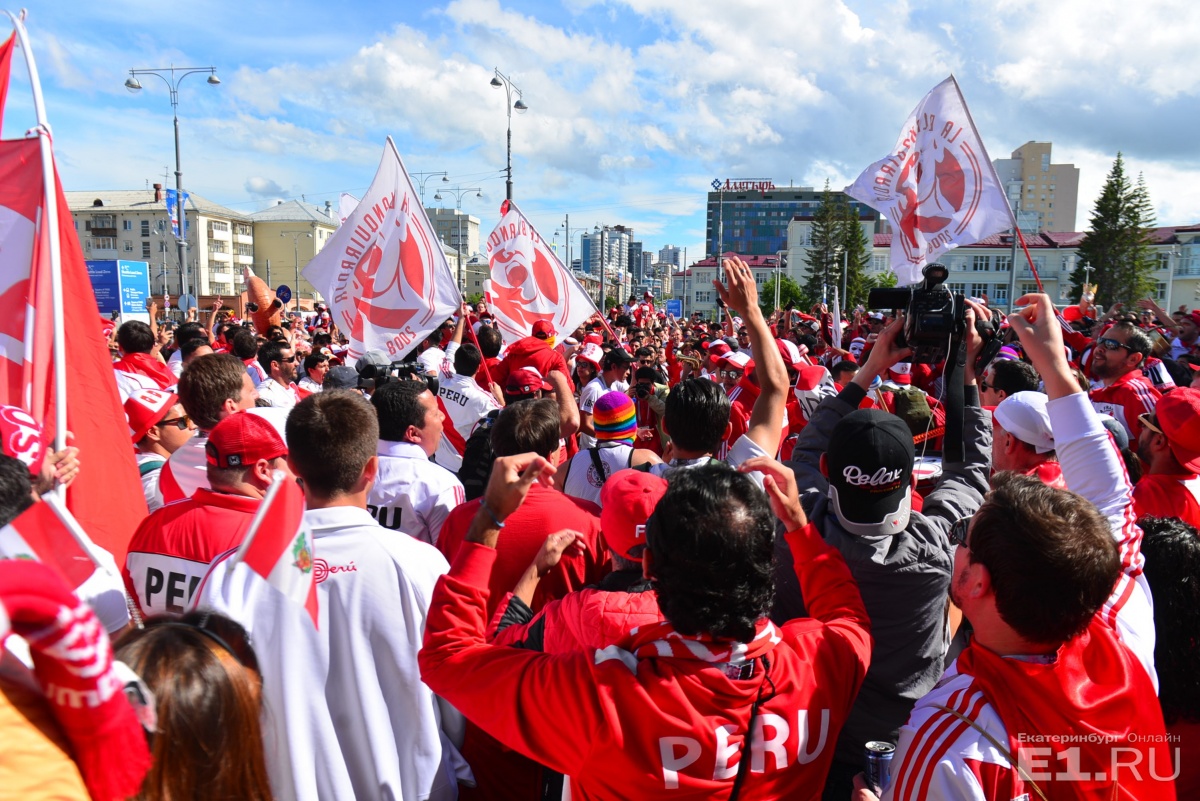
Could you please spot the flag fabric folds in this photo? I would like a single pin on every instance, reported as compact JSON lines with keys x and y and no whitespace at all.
{"x":528,"y":281}
{"x":937,"y":187}
{"x":279,"y":547}
{"x":384,"y":272}
{"x":39,"y":536}
{"x":6,"y":54}
{"x":177,"y":211}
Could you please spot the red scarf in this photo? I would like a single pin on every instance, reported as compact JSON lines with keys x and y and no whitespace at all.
{"x":1093,"y":697}
{"x":1050,"y":474}
{"x":661,"y":639}
{"x":73,"y":661}
{"x":147,"y":365}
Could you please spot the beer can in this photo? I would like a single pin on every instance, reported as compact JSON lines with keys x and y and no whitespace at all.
{"x":879,"y":765}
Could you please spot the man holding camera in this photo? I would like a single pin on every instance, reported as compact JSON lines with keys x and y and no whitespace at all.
{"x":855,"y":467}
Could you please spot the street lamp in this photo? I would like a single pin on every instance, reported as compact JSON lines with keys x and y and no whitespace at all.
{"x":500,"y":79}
{"x":295,"y":235}
{"x":423,"y":178}
{"x":458,"y":193}
{"x":603,"y":264}
{"x":133,"y":85}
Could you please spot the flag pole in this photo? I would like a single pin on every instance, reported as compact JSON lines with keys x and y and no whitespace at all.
{"x":50,"y":228}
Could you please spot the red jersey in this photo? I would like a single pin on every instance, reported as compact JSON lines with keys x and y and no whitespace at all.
{"x":535,"y":353}
{"x":171,"y":549}
{"x":544,"y":511}
{"x":649,"y":727}
{"x":1168,"y":496}
{"x":1125,"y":399}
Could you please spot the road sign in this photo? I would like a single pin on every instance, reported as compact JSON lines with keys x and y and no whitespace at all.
{"x":674,"y":306}
{"x":284,"y":293}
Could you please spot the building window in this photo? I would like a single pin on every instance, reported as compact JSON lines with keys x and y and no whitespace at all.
{"x":1000,"y":293}
{"x":145,"y":250}
{"x":978,"y":290}
{"x":880,"y":263}
{"x":1028,"y":289}
{"x":127,"y":225}
{"x":981,"y":264}
{"x":704,"y":297}
{"x":1003,"y":264}
{"x":1160,"y":292}
{"x":217,"y":226}
{"x":106,"y":243}
{"x":960,"y":288}
{"x":145,"y":228}
{"x":241,"y":229}
{"x":245,"y":250}
{"x":128,"y":245}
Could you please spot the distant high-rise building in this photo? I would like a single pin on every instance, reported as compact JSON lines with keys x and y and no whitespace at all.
{"x":1043,"y":195}
{"x":670,"y":255}
{"x":752,"y":217}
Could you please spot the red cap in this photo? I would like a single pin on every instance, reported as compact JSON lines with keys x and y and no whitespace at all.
{"x":525,"y":381}
{"x":1178,"y":415}
{"x":241,"y":440}
{"x":1194,"y":316}
{"x":790,"y":353}
{"x":544,"y":328}
{"x":144,"y":408}
{"x":627,"y":500}
{"x":716,"y":349}
{"x":593,"y":339}
{"x":1072,"y":313}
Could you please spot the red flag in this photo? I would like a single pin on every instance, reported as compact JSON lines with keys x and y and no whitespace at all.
{"x":278,"y":545}
{"x":6,"y":54}
{"x":38,"y":535}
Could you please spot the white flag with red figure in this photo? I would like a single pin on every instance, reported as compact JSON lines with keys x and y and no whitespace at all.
{"x":40,"y":536}
{"x":937,"y":186}
{"x":528,"y":282}
{"x":279,"y":547}
{"x":383,"y":271}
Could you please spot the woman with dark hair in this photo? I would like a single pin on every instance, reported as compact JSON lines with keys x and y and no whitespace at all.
{"x":208,"y":692}
{"x":1172,"y":553}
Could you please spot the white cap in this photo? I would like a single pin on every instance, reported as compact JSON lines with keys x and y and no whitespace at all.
{"x":736,"y":359}
{"x":1023,"y":414}
{"x":591,"y":352}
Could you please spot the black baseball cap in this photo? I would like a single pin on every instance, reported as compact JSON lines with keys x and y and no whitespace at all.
{"x":870,"y":464}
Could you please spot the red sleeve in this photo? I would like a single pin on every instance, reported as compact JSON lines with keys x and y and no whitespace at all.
{"x":545,"y":707}
{"x":831,"y":594}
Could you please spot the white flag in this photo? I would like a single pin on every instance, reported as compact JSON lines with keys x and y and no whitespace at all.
{"x":383,"y":271}
{"x":347,"y":203}
{"x":528,"y":282}
{"x":937,"y":186}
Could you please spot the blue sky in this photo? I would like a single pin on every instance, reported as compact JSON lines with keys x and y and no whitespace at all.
{"x":634,"y":106}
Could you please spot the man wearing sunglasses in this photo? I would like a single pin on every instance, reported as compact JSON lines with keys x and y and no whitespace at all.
{"x":1169,"y":447}
{"x":278,"y":360}
{"x":1117,"y":361}
{"x":158,"y":426}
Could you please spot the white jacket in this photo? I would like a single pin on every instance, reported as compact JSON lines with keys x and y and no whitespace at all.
{"x":411,"y":493}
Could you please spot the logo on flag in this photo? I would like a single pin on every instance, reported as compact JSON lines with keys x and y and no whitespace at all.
{"x":528,"y":282}
{"x":937,"y":186}
{"x":278,"y":546}
{"x":383,"y":270}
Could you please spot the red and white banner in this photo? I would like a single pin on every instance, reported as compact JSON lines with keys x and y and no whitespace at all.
{"x":6,"y":54}
{"x":40,"y":536}
{"x":528,"y":282}
{"x":279,"y":547}
{"x":937,"y":186}
{"x":383,"y":271}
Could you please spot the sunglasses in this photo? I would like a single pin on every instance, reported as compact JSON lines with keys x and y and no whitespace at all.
{"x":731,"y":373}
{"x":958,"y":532}
{"x":182,"y":423}
{"x":1148,"y":420}
{"x":1111,"y":344}
{"x":647,"y":362}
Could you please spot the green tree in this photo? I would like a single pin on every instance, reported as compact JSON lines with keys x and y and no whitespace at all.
{"x":789,"y":290}
{"x":856,"y":257}
{"x":1117,"y":245}
{"x":824,"y":252}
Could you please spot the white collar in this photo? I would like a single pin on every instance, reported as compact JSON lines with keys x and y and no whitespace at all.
{"x":403,"y":450}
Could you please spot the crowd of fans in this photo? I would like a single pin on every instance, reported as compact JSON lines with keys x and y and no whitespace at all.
{"x":764,"y":556}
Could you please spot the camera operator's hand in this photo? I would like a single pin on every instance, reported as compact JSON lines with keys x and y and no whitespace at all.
{"x":742,"y":293}
{"x":1041,"y":338}
{"x":884,"y":354}
{"x":974,"y":341}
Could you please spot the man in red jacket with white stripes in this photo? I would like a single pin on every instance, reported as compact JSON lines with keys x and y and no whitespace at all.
{"x":715,"y":701}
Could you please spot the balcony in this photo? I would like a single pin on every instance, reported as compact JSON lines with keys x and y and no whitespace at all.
{"x":103,"y":231}
{"x":1187,"y":271}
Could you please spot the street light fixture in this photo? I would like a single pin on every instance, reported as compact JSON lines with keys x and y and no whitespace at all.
{"x":177,"y":74}
{"x":458,"y":192}
{"x":295,"y":235}
{"x":423,"y":178}
{"x":498,"y":80}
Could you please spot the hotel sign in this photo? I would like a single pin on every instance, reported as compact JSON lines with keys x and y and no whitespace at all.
{"x":731,"y":185}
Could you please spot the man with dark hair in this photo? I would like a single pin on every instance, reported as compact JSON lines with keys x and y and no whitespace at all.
{"x":16,"y":490}
{"x":1004,"y":377}
{"x":855,"y":471}
{"x":351,"y":719}
{"x":138,"y":368}
{"x":191,"y":349}
{"x":184,"y":334}
{"x":843,"y":372}
{"x":316,"y":366}
{"x":412,"y":494}
{"x":1126,"y":393}
{"x":490,"y":342}
{"x":614,"y":369}
{"x":245,"y":347}
{"x":158,"y":426}
{"x":172,"y":548}
{"x":1054,"y":697}
{"x":715,"y":701}
{"x":278,"y":361}
{"x":464,"y":404}
{"x":210,"y":389}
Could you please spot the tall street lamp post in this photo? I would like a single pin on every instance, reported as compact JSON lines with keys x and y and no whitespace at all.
{"x":500,"y":79}
{"x":176,"y":75}
{"x":458,"y":193}
{"x":295,"y":235}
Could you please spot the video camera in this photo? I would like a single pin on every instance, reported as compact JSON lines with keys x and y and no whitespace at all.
{"x":932,"y":314}
{"x":373,"y":376}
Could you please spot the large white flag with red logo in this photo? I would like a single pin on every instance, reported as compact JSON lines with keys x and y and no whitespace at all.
{"x":279,"y":547}
{"x":39,"y":535}
{"x":528,"y":282}
{"x":383,"y":271}
{"x":937,"y":186}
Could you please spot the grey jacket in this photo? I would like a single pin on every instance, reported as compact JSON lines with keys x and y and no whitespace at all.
{"x":904,"y":579}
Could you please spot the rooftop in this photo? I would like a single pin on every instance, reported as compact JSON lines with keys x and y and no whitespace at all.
{"x":292,"y":211}
{"x":142,"y":200}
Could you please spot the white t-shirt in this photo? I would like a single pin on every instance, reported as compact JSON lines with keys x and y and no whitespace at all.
{"x":277,"y":394}
{"x":345,"y":713}
{"x":411,"y":493}
{"x":591,"y":393}
{"x":154,"y":498}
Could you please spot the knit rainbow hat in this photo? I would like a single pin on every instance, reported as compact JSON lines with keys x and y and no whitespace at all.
{"x":614,"y":417}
